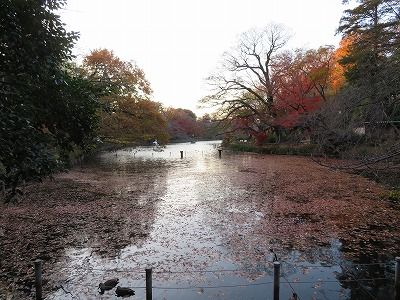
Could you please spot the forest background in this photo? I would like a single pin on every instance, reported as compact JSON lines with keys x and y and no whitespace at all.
{"x":333,"y":102}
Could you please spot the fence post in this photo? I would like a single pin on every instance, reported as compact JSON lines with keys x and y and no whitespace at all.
{"x":219,"y":153}
{"x":149,"y":288}
{"x":277,"y":271}
{"x":38,"y":279}
{"x":397,"y":280}
{"x":181,"y":154}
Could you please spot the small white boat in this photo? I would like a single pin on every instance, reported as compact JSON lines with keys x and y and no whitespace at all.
{"x":157,"y":147}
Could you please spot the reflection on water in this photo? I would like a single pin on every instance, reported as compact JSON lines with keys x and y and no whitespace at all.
{"x":206,"y":213}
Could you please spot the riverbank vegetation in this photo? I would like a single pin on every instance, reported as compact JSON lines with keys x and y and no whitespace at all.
{"x":47,"y":109}
{"x":345,"y":100}
{"x":54,"y":109}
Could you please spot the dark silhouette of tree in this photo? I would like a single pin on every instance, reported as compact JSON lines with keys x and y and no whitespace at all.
{"x":46,"y":109}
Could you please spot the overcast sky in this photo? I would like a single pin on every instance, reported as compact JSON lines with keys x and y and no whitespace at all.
{"x":178,"y":43}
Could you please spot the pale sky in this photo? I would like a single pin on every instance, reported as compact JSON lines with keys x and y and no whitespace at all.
{"x":178,"y":43}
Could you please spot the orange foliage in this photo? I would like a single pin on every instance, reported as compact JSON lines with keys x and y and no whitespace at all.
{"x":338,"y":79}
{"x":122,"y":77}
{"x":130,"y":115}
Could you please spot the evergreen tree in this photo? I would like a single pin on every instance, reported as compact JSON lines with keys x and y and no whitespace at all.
{"x":373,"y":62}
{"x":46,"y":108}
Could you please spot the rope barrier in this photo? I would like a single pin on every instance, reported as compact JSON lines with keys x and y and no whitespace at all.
{"x":252,"y":284}
{"x":211,"y":287}
{"x":94,"y":286}
{"x":343,"y":280}
{"x":332,"y":266}
{"x":88,"y":269}
{"x":264,"y":268}
{"x":290,"y":285}
{"x":372,"y":264}
{"x":231,"y":271}
{"x":359,"y":284}
{"x":211,"y":271}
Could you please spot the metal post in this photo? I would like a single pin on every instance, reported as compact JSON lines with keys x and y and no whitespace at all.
{"x":181,"y":154}
{"x":149,"y":291}
{"x":277,"y":270}
{"x":219,"y":153}
{"x":397,"y":280}
{"x":38,"y":279}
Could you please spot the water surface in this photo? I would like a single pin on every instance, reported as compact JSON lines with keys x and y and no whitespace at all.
{"x":205,"y":225}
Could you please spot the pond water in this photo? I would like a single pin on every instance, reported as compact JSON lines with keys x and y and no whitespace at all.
{"x":207,"y":226}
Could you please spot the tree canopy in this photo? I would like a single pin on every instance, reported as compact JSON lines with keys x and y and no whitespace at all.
{"x":338,"y":98}
{"x":372,"y":62}
{"x":128,"y":114}
{"x":362,"y":120}
{"x":46,"y":108}
{"x":261,"y":88}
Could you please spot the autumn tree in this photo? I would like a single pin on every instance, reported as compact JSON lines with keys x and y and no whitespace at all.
{"x":363,"y":121}
{"x":244,"y":86}
{"x":303,"y":80}
{"x":116,"y":77}
{"x":182,"y":124}
{"x":337,"y":78}
{"x":373,"y":60}
{"x":318,"y":65}
{"x":139,"y":121}
{"x":373,"y":64}
{"x":128,"y":113}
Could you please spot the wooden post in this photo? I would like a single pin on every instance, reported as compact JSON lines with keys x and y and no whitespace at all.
{"x":181,"y":154}
{"x":149,"y":291}
{"x":38,"y":279}
{"x":277,"y":269}
{"x":219,"y":153}
{"x":397,"y":280}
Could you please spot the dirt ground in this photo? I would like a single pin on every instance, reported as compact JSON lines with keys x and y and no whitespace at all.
{"x":301,"y":202}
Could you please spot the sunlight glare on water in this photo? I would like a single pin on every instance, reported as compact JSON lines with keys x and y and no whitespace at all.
{"x":202,"y":213}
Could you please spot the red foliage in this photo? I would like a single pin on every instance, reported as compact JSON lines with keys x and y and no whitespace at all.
{"x":296,"y":96}
{"x":291,"y":110}
{"x":246,"y":124}
{"x":259,"y":136}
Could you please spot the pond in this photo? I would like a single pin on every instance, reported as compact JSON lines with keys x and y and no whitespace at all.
{"x":209,"y":227}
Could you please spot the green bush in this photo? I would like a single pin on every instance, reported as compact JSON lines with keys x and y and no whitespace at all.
{"x":393,"y":196}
